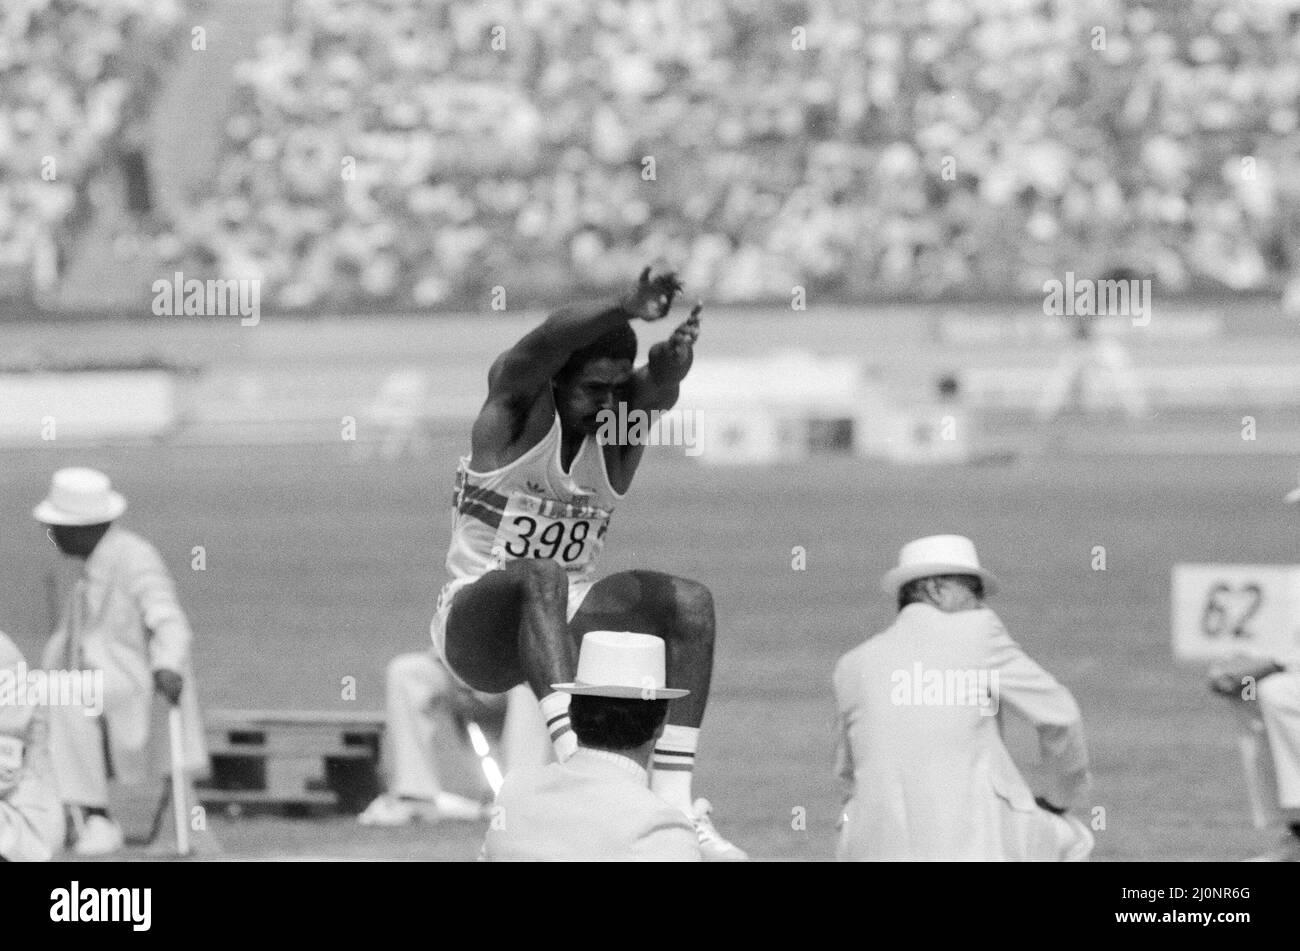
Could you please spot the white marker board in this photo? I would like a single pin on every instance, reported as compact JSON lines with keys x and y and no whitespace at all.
{"x":1222,"y":611}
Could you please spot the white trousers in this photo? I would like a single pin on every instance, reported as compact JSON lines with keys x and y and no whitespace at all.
{"x":1269,"y":740}
{"x":80,"y":763}
{"x":418,"y":688}
{"x":1279,"y":706}
{"x":78,"y":757}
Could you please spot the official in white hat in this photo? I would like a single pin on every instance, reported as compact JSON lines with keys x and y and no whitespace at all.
{"x":621,"y":664}
{"x":938,"y":556}
{"x":925,"y":774}
{"x":79,"y":497}
{"x":597,"y":805}
{"x":121,"y":616}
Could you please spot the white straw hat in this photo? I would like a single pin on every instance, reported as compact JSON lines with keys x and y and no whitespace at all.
{"x":621,"y":664}
{"x":937,"y":555}
{"x":79,"y":497}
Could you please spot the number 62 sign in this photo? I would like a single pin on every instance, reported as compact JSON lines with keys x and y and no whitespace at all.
{"x":1220,"y":611}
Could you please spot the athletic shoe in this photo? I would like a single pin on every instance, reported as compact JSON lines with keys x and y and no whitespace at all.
{"x":99,"y":836}
{"x":713,"y":846}
{"x":389,"y":810}
{"x":1286,"y":850}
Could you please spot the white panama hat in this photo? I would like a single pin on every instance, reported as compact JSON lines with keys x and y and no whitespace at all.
{"x":621,"y":664}
{"x":937,"y":555}
{"x":79,"y":497}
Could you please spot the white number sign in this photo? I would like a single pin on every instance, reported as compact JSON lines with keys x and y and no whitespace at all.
{"x":1220,"y":611}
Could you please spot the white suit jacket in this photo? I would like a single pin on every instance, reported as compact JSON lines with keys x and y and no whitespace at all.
{"x":122,"y":617}
{"x":31,"y":816}
{"x":927,"y":775}
{"x":595,"y":807}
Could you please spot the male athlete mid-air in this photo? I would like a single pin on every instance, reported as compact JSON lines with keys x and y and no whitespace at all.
{"x":530,"y":511}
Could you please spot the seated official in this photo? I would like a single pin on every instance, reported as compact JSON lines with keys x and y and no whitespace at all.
{"x":926,"y":774}
{"x":597,"y":805}
{"x":121,"y":618}
{"x":1264,"y":687}
{"x":1266,"y":693}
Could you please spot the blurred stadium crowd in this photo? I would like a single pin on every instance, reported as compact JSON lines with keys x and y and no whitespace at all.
{"x":383,"y":152}
{"x":76,"y":81}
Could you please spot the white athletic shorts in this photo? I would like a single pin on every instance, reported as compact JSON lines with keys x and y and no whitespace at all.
{"x":438,"y":629}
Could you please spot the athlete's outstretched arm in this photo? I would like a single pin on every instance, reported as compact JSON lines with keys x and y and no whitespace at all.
{"x":519,"y":373}
{"x":518,"y":405}
{"x":657,"y":384}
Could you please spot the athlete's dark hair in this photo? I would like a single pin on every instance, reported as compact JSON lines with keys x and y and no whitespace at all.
{"x":914,"y":591}
{"x":618,"y":344}
{"x":615,"y":723}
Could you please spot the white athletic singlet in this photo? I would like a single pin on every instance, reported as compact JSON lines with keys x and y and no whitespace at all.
{"x":530,"y":508}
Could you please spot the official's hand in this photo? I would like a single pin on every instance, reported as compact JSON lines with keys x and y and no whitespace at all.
{"x":1044,"y":804}
{"x":652,"y":297}
{"x":168,"y":683}
{"x":1231,"y":681}
{"x":477,"y":706}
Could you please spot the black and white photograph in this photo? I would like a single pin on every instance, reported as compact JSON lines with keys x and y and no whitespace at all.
{"x":716,"y":431}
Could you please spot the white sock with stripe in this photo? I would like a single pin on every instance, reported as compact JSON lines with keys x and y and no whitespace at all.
{"x":555,"y":711}
{"x":673,"y":762}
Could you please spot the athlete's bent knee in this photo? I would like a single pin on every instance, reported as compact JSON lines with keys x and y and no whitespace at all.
{"x":693,"y":603}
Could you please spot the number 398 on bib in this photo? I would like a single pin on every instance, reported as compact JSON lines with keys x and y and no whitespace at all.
{"x":572,"y":538}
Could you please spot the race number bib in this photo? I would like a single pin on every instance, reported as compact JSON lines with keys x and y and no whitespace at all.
{"x":543,"y":528}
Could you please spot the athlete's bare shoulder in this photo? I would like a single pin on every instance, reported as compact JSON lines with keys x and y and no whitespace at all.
{"x":508,"y":426}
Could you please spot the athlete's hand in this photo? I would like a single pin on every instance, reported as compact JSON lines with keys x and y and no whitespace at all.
{"x":652,"y":297}
{"x":682,"y":342}
{"x":671,"y":359}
